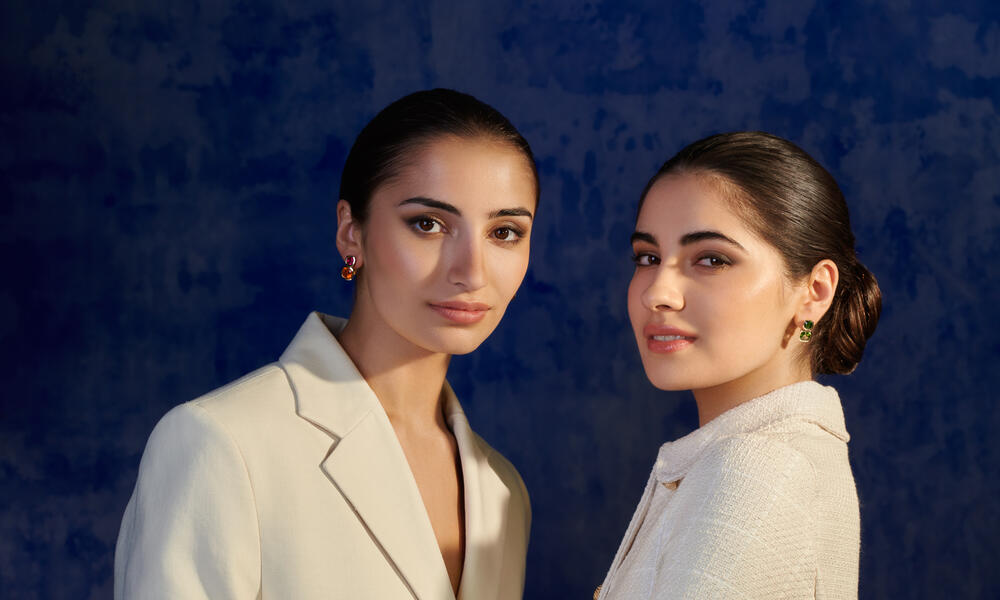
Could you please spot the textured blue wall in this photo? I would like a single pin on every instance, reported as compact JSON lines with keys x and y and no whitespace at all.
{"x":168,"y":178}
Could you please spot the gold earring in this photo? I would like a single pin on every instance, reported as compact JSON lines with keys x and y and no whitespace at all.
{"x":348,"y":271}
{"x":806,"y":334}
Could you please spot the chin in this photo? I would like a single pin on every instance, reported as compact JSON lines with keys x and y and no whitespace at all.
{"x":670,"y":379}
{"x":457,"y":342}
{"x":668,"y":384}
{"x":460,"y":350}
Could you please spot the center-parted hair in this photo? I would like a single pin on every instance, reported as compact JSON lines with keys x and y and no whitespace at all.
{"x":794,"y":204}
{"x":385,"y":144}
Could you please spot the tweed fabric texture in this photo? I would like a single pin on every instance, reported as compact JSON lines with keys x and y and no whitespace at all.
{"x":758,"y":503}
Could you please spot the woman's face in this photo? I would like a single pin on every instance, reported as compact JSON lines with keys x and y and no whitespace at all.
{"x":709,"y":302}
{"x":446,"y":242}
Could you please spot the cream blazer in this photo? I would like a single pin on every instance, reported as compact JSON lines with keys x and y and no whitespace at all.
{"x":289,"y":483}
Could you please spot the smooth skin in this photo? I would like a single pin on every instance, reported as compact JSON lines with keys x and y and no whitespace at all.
{"x":440,"y":255}
{"x":711,"y":305}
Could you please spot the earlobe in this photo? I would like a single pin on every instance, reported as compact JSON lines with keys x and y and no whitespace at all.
{"x":821,"y":288}
{"x":348,"y":233}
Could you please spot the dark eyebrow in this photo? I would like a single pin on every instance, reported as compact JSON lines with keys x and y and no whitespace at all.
{"x":688,"y":238}
{"x":431,"y":203}
{"x":697,"y":236}
{"x":642,"y":236}
{"x":511,"y":212}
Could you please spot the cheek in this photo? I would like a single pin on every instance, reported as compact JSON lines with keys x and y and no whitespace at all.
{"x":508,"y":268}
{"x":754,"y":307}
{"x":636,"y":309}
{"x":402,"y":259}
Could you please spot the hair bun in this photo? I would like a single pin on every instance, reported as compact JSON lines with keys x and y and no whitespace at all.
{"x":842,"y":335}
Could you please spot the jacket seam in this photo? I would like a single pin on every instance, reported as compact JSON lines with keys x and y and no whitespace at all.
{"x":246,"y":471}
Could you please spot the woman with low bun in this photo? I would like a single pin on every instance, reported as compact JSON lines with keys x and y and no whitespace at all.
{"x":746,"y":287}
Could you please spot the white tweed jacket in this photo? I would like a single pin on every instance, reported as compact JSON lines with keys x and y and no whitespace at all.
{"x":758,"y":503}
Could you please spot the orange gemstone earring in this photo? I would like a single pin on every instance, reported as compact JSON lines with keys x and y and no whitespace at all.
{"x":348,"y":271}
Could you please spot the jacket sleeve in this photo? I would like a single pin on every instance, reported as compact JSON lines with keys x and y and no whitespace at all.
{"x":744,"y":525}
{"x":190,"y":529}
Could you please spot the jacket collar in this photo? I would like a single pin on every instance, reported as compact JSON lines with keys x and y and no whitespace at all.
{"x":367,"y":465}
{"x":806,"y":401}
{"x":366,"y":462}
{"x":329,"y":391}
{"x":487,"y":501}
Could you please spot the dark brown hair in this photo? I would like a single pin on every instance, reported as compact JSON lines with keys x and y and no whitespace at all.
{"x":793,"y":203}
{"x":384,"y":145}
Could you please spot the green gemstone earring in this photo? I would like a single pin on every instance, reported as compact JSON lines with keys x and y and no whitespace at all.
{"x":806,"y":334}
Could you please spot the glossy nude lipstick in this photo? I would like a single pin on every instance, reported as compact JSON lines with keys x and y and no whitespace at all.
{"x":662,"y":339}
{"x":463,"y":313}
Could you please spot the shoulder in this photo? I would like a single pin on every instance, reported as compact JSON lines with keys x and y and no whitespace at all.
{"x":742,"y":523}
{"x":193,"y":492}
{"x":755,"y":452}
{"x":212,"y":421}
{"x":754,"y":467}
{"x":241,"y":407}
{"x":257,"y":388}
{"x":187,"y":439}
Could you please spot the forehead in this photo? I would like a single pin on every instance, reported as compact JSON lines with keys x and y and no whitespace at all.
{"x":464,"y":172}
{"x":681,"y":203}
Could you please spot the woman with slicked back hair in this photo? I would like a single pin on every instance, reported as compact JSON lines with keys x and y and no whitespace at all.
{"x":747,"y":286}
{"x":347,"y":468}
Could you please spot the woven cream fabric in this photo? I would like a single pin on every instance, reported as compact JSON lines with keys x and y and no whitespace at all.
{"x":758,"y":503}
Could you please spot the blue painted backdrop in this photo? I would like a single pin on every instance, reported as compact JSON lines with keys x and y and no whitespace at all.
{"x":168,"y":178}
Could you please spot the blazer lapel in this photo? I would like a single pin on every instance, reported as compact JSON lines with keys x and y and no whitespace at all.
{"x":370,"y":470}
{"x":486,"y":504}
{"x":366,"y":462}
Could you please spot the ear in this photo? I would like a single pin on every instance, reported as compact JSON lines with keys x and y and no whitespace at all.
{"x":821,"y":286}
{"x":349,"y":238}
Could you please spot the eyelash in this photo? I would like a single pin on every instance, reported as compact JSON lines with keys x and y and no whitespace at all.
{"x":416,"y":222}
{"x":638,"y":257}
{"x":652,"y":260}
{"x":518,"y":234}
{"x":722,"y":260}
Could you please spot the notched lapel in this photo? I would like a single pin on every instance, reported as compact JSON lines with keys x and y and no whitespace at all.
{"x":365,"y":462}
{"x":370,"y":470}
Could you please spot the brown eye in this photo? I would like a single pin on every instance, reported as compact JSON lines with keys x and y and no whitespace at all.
{"x":714,"y":262}
{"x":507,"y":234}
{"x":425,"y":225}
{"x":644,"y":259}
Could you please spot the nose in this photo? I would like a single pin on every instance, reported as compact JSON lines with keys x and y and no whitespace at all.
{"x":468,"y":264}
{"x":664,"y":291}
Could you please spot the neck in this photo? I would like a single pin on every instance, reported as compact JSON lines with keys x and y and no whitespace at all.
{"x":407,"y":380}
{"x":715,"y":400}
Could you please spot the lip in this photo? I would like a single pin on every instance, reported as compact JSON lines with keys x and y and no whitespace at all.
{"x":463,"y":313}
{"x":685,"y":339}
